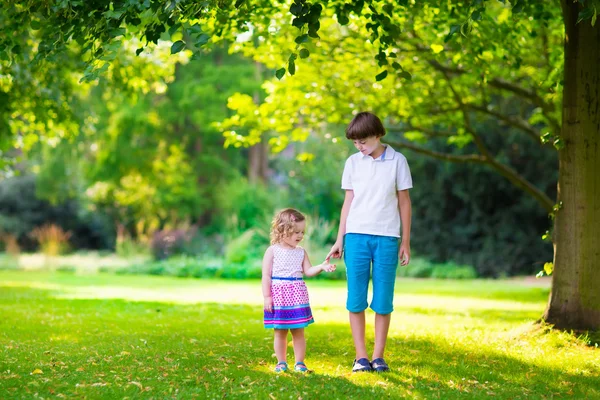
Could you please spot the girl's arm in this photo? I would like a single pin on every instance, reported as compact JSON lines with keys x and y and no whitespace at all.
{"x":267,"y":269}
{"x":336,"y":249}
{"x":312,"y":270}
{"x":405,"y":207}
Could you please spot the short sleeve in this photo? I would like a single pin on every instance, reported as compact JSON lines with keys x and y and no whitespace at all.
{"x":403,"y":178}
{"x":347,"y":176}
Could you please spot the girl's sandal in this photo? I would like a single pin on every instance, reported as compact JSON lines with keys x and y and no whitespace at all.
{"x":281,"y":367}
{"x":301,"y":367}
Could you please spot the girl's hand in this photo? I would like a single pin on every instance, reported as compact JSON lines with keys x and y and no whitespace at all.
{"x":269,"y":304}
{"x":328,"y":267}
{"x":335,"y":252}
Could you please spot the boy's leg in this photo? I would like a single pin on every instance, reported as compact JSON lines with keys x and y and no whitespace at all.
{"x":299,"y":343}
{"x":382,"y":326}
{"x":357,"y":325}
{"x":357,"y":257}
{"x":280,"y":344}
{"x":385,"y":263}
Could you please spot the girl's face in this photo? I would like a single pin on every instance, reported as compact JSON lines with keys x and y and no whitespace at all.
{"x":368,"y":145}
{"x":297,"y":234}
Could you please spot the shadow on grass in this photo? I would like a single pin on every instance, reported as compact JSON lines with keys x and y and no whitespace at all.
{"x":116,"y":348}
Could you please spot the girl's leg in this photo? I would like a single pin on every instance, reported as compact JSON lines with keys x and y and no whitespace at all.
{"x":280,"y":344}
{"x":299,"y":344}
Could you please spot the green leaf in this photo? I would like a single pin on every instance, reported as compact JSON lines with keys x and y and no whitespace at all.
{"x":117,"y":32}
{"x":453,"y":30}
{"x":292,"y":66}
{"x":177,"y":46}
{"x":301,"y":39}
{"x":304,"y":53}
{"x":406,"y":75}
{"x":280,"y":73}
{"x":174,"y":29}
{"x":396,"y":66}
{"x":299,"y":22}
{"x":296,"y":9}
{"x":138,"y":51}
{"x":381,"y":76}
{"x":35,"y":25}
{"x":517,"y":7}
{"x":239,"y":3}
{"x":548,"y":268}
{"x":202,"y":40}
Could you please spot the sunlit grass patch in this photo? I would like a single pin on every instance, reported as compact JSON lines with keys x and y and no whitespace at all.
{"x":106,"y":336}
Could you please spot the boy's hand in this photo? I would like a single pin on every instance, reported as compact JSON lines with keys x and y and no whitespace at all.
{"x":269,"y":304}
{"x":404,"y":254}
{"x":335,"y":252}
{"x":328,"y":267}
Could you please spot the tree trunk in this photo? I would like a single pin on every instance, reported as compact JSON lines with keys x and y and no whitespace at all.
{"x":258,"y":155}
{"x":575,"y":298}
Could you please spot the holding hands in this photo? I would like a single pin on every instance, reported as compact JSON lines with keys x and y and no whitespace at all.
{"x":327,"y":267}
{"x":335,"y":252}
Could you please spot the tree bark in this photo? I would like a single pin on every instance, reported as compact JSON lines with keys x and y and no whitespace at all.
{"x":575,"y":298}
{"x":258,"y":154}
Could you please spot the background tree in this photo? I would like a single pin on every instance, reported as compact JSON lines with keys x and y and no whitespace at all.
{"x":573,"y":303}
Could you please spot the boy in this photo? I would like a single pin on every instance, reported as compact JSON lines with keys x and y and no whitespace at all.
{"x":376,"y":180}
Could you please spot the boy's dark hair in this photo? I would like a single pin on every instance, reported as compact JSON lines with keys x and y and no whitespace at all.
{"x":364,"y":125}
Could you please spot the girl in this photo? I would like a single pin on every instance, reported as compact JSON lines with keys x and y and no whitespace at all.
{"x":286,"y":298}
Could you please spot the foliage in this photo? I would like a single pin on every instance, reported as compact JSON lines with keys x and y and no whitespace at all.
{"x":21,"y":210}
{"x":422,"y":268}
{"x":52,"y":239}
{"x":472,"y":216}
{"x":470,"y":326}
{"x":169,"y":242}
{"x":241,"y":206}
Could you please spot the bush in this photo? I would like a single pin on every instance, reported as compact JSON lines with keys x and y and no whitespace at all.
{"x":21,"y":211}
{"x":192,"y":267}
{"x":170,"y":242}
{"x":420,"y":268}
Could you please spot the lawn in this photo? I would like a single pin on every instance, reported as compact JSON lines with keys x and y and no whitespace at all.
{"x":106,"y":336}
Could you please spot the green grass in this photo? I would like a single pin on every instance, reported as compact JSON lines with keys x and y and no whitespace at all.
{"x":108,"y":336}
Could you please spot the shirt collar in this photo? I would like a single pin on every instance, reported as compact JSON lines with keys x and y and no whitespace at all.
{"x":388,"y":154}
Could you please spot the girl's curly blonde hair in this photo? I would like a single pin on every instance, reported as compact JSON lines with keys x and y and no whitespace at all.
{"x":283,"y":224}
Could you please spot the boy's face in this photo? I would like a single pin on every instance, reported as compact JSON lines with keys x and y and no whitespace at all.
{"x":368,"y":145}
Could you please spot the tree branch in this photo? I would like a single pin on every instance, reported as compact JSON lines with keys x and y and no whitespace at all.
{"x":474,"y":158}
{"x":516,"y":122}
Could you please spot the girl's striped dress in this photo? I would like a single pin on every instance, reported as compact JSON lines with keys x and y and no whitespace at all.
{"x":291,"y":308}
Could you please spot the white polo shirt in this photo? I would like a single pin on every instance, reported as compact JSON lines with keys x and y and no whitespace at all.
{"x":375,"y":182}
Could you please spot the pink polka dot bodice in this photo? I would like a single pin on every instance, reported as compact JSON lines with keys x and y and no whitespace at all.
{"x":287,"y":263}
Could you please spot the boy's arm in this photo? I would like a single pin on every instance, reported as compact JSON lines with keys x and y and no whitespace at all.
{"x":267,"y":269}
{"x":313,"y":270}
{"x":336,"y":250}
{"x":405,"y":207}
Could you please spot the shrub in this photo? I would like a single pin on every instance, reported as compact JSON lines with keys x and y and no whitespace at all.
{"x":169,"y":242}
{"x":52,"y":239}
{"x":421,"y":268}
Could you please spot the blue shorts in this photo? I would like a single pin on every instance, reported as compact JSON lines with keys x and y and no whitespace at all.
{"x":360,"y":252}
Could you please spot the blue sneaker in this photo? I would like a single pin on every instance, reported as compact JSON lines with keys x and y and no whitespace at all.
{"x":281,"y":367}
{"x":379,"y":365}
{"x":361,"y":365}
